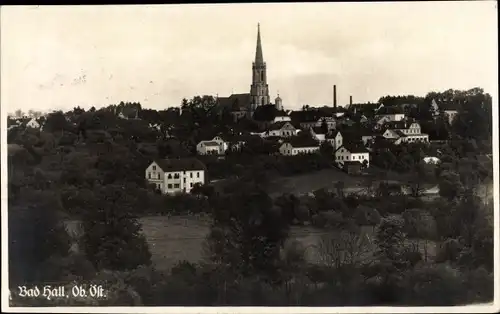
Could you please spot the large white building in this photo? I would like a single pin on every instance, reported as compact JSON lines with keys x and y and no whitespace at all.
{"x":172,"y":176}
{"x":404,"y":132}
{"x":296,"y":146}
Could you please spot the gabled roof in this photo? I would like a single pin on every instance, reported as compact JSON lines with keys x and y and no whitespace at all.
{"x":279,"y":125}
{"x":184,"y":164}
{"x":400,"y":133}
{"x":301,"y":141}
{"x":318,"y":130}
{"x":210,"y":143}
{"x":354,"y":148}
{"x":236,"y":102}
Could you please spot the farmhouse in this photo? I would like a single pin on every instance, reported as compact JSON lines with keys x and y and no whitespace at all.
{"x":450,"y":114}
{"x":172,"y":176}
{"x":280,"y":129}
{"x":335,"y":139}
{"x":402,"y":132}
{"x":33,"y":123}
{"x":215,"y":146}
{"x":352,"y":152}
{"x":296,"y":146}
{"x":389,"y":114}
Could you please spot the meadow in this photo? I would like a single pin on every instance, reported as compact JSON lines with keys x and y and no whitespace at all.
{"x":176,"y":238}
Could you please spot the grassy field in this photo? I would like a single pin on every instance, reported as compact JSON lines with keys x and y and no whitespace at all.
{"x":173,"y":239}
{"x":327,"y":178}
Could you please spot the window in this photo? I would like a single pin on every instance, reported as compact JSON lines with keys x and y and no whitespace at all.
{"x":191,"y":185}
{"x":176,"y":176}
{"x":154,"y":167}
{"x":149,"y":175}
{"x":176,"y":186}
{"x":169,"y":186}
{"x":191,"y":175}
{"x":159,"y":176}
{"x":170,"y":176}
{"x":184,"y":180}
{"x":197,"y":174}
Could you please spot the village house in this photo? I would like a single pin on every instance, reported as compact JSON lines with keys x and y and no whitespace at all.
{"x":387,"y":114}
{"x":215,"y":146}
{"x":33,"y":124}
{"x":404,"y":132}
{"x":450,"y":114}
{"x":279,"y":129}
{"x":318,"y":133}
{"x":352,"y":152}
{"x":335,"y":139}
{"x":296,"y":146}
{"x":172,"y":176}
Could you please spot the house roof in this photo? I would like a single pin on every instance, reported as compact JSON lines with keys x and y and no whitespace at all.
{"x":185,"y":164}
{"x":318,"y":130}
{"x":302,"y":141}
{"x":396,"y":125}
{"x":352,"y":163}
{"x":354,"y":148}
{"x":210,"y":143}
{"x":401,"y":134}
{"x":389,"y":110}
{"x":278,"y":125}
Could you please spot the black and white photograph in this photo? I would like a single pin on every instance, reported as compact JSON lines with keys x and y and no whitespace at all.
{"x":321,"y":157}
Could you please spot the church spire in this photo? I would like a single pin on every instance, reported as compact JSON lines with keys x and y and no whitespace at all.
{"x":259,"y":59}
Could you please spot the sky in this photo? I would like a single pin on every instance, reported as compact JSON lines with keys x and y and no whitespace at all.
{"x":60,"y":57}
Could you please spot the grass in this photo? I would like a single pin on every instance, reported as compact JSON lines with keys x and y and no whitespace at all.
{"x":177,"y":238}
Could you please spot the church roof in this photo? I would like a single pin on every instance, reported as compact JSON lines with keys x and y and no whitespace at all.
{"x":236,"y":102}
{"x":265,"y":113}
{"x":259,"y":58}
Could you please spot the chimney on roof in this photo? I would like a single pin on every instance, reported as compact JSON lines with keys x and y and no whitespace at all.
{"x":335,"y":96}
{"x":350,"y":100}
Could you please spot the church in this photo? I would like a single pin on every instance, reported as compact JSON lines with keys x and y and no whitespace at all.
{"x":245,"y":104}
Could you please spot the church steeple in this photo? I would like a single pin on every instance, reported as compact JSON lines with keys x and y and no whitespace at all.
{"x":259,"y":90}
{"x":259,"y":59}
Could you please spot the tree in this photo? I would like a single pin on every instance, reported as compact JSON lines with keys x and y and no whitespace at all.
{"x":389,"y":239}
{"x":36,"y":234}
{"x":248,"y":231}
{"x":112,"y":235}
{"x":56,"y":122}
{"x":450,"y":186}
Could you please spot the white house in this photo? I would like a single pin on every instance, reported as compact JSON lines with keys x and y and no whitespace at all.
{"x":175,"y":175}
{"x":292,"y":148}
{"x":404,"y":132}
{"x":33,"y":124}
{"x":450,"y":114}
{"x":330,"y":122}
{"x":281,"y":129}
{"x":215,"y":146}
{"x":335,"y":139}
{"x":352,"y":152}
{"x":389,"y":113}
{"x":431,"y":160}
{"x":282,"y":118}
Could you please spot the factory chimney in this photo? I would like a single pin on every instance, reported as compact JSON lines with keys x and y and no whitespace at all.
{"x":350,"y":100}
{"x":335,"y":96}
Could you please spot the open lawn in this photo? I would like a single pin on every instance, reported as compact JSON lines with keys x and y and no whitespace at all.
{"x":173,"y":239}
{"x":309,"y":182}
{"x":177,"y":238}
